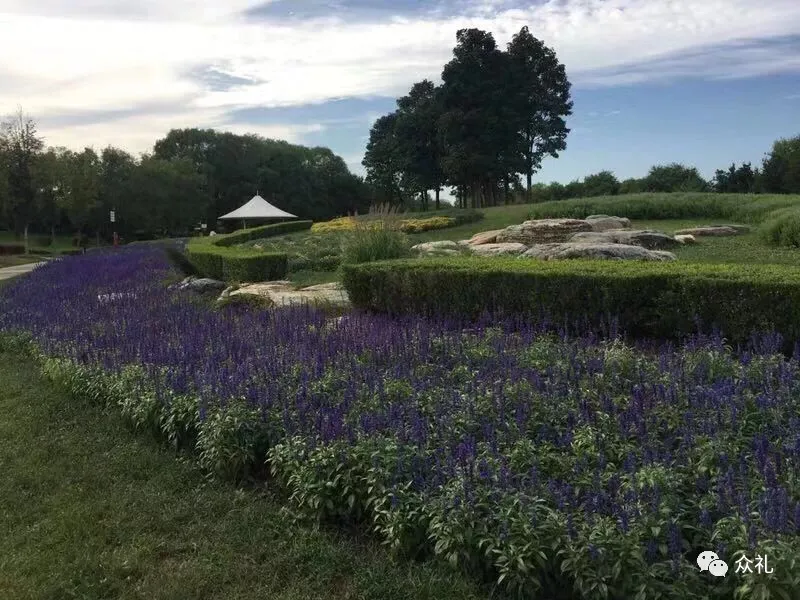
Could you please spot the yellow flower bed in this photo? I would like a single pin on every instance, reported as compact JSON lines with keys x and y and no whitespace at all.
{"x":419,"y":225}
{"x":405,"y":225}
{"x":340,"y":224}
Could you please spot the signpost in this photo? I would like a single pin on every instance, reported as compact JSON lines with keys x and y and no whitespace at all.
{"x":113,"y":217}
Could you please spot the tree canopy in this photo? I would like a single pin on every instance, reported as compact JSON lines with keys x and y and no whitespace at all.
{"x":496,"y":114}
{"x":193,"y":176}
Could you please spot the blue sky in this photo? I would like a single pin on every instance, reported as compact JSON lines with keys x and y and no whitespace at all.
{"x":704,"y":82}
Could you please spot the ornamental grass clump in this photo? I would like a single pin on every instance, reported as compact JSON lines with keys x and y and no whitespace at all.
{"x":553,"y":465}
{"x":370,"y":242}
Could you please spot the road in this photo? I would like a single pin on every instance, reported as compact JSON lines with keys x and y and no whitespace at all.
{"x":9,"y":272}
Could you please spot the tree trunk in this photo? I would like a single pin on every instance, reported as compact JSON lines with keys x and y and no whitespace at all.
{"x":25,"y":237}
{"x":505,"y":190}
{"x":97,"y":237}
{"x":437,"y":198}
{"x":530,"y":179}
{"x":53,"y":236}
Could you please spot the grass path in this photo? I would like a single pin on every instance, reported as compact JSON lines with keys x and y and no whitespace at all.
{"x":89,"y":510}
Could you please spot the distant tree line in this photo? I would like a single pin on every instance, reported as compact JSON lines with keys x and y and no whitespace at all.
{"x":779,"y":174}
{"x":192,"y":176}
{"x":495,"y":116}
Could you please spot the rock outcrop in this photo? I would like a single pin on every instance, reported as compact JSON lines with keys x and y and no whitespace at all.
{"x":441,"y":248}
{"x":281,"y":293}
{"x":506,"y":249}
{"x":686,"y":239}
{"x":484,"y":237}
{"x":199,"y":284}
{"x":652,"y":240}
{"x":569,"y":250}
{"x":543,"y":231}
{"x":717,"y":230}
{"x":606,"y":223}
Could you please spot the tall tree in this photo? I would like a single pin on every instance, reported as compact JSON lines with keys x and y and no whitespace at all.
{"x":82,"y":188}
{"x":19,"y":145}
{"x":540,"y":92}
{"x":604,"y":183}
{"x":419,"y":143}
{"x":780,"y":172}
{"x":735,"y":180}
{"x":383,"y":161}
{"x":50,"y":183}
{"x":474,"y":122}
{"x":674,"y":177}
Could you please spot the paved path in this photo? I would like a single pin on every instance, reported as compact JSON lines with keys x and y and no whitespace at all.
{"x":9,"y":272}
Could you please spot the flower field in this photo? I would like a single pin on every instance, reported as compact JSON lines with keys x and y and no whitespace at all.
{"x":554,"y":466}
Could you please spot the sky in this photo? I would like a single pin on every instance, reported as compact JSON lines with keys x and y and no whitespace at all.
{"x":702,"y":82}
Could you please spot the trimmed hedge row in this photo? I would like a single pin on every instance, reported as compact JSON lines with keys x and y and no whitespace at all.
{"x":215,"y":257}
{"x":258,"y":233}
{"x":235,"y":264}
{"x":664,"y":300}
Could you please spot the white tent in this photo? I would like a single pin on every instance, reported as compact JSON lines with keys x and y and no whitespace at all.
{"x":258,"y":208}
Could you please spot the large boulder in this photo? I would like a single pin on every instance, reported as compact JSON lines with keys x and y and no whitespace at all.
{"x":652,"y":240}
{"x":281,"y":293}
{"x":201,"y":284}
{"x":710,"y":230}
{"x":507,"y":249}
{"x":543,"y":231}
{"x":441,"y":248}
{"x":606,"y":223}
{"x":484,"y":237}
{"x":428,"y":247}
{"x":568,"y":250}
{"x":738,"y":228}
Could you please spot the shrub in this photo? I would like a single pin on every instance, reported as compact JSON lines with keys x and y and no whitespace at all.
{"x":257,"y":233}
{"x":369,"y":243}
{"x":234,"y":264}
{"x":246,"y":301}
{"x":646,"y":299}
{"x":783,"y":229}
{"x":429,"y":224}
{"x":214,"y":256}
{"x":340,"y":224}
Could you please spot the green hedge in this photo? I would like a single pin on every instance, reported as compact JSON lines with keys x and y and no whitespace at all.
{"x":234,"y":264}
{"x":258,"y":233}
{"x":648,"y":299}
{"x":215,"y":257}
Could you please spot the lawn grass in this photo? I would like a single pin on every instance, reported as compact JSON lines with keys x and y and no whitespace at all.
{"x":747,"y":248}
{"x":91,"y":510}
{"x":305,"y":278}
{"x":14,"y":260}
{"x":62,"y":242}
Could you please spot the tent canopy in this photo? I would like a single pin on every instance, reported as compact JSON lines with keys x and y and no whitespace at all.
{"x":258,"y":208}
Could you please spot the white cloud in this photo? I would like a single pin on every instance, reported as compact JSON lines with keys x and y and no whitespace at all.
{"x":58,"y":56}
